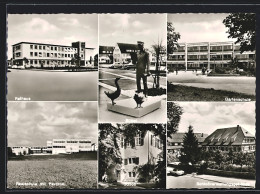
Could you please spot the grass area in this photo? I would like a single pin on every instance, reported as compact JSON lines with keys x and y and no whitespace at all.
{"x":188,"y":93}
{"x":75,"y":156}
{"x":56,"y":171}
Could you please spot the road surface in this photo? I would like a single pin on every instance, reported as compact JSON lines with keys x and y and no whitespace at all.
{"x":241,"y":84}
{"x":190,"y":181}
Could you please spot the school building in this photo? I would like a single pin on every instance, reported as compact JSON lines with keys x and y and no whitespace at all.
{"x":208,"y":55}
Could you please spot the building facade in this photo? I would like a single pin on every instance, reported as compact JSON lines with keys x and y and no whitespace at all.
{"x":29,"y":54}
{"x":208,"y":55}
{"x":106,"y":54}
{"x":20,"y":150}
{"x":147,"y":149}
{"x":234,"y":138}
{"x":125,"y":53}
{"x":70,"y":145}
{"x":175,"y":142}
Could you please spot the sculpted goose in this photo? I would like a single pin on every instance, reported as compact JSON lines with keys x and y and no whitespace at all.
{"x":116,"y":94}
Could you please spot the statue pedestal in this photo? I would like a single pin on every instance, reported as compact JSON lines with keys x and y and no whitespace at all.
{"x":127,"y":107}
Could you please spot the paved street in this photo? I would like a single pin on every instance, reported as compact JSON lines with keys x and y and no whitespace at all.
{"x":44,"y":85}
{"x":128,"y":86}
{"x":237,"y":84}
{"x":189,"y":181}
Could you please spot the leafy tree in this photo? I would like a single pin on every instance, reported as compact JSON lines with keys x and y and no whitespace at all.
{"x":26,"y":61}
{"x":242,"y":27}
{"x":174,"y":112}
{"x":10,"y":152}
{"x":190,"y":153}
{"x":76,"y":61}
{"x":219,"y":157}
{"x":172,"y":38}
{"x":108,"y":147}
{"x":158,"y":49}
{"x":96,"y":60}
{"x":234,"y":63}
{"x":240,"y":159}
{"x":146,"y":172}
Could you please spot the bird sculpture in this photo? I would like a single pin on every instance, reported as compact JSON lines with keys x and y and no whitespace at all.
{"x":139,"y":99}
{"x":116,"y":94}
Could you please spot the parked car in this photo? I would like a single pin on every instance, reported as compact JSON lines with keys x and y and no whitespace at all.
{"x":174,"y":169}
{"x":116,"y":65}
{"x":129,"y":66}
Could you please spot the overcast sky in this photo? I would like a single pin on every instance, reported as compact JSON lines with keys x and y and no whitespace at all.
{"x":130,"y":28}
{"x":33,"y":123}
{"x":61,"y":29}
{"x":200,"y":27}
{"x":206,"y":117}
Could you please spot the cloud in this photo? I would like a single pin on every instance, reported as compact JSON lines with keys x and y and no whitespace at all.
{"x":50,"y":120}
{"x":206,"y":117}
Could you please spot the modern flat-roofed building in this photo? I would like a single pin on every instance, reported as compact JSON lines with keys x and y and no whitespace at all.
{"x":146,"y":149}
{"x":50,"y":55}
{"x":175,"y":142}
{"x":208,"y":55}
{"x":70,"y":145}
{"x":20,"y":150}
{"x":232,"y":138}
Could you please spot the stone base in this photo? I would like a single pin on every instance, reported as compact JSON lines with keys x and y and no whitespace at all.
{"x":128,"y":107}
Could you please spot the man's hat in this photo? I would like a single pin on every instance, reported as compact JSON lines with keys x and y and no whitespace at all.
{"x":140,"y":42}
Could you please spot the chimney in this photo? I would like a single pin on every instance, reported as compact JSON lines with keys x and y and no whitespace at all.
{"x":237,"y":127}
{"x":201,"y":134}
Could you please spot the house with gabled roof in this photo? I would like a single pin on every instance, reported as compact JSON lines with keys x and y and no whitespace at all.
{"x":232,"y":138}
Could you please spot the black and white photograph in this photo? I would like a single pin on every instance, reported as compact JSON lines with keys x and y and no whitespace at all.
{"x":52,"y":145}
{"x":132,"y":156}
{"x":132,"y":68}
{"x":211,"y":57}
{"x":52,"y":57}
{"x":211,"y":145}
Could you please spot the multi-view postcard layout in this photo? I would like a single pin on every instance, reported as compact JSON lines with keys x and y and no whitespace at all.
{"x":131,"y":101}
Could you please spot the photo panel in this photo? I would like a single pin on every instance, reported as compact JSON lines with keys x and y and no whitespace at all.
{"x":211,"y":145}
{"x":132,"y":156}
{"x":52,"y":145}
{"x":211,"y":57}
{"x":52,"y":57}
{"x":132,"y":68}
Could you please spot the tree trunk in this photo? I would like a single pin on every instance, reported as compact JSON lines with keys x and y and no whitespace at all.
{"x":157,"y":78}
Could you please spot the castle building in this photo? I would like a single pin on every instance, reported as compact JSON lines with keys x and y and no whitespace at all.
{"x":39,"y":55}
{"x":208,"y":55}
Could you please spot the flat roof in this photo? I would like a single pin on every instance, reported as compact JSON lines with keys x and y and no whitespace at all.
{"x":45,"y":44}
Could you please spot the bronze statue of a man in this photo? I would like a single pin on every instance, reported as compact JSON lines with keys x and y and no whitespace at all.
{"x":142,"y":67}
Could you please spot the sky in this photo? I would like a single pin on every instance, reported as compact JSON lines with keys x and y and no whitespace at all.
{"x":130,"y":28}
{"x":61,"y":29}
{"x":206,"y":117}
{"x":33,"y":123}
{"x":200,"y":27}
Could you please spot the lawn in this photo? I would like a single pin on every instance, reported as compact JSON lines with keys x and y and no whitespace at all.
{"x":55,"y":173}
{"x":189,"y":93}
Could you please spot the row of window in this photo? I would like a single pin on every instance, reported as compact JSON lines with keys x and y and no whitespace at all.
{"x":107,"y":51}
{"x":35,"y":62}
{"x":57,"y":55}
{"x":131,"y":174}
{"x":156,"y":142}
{"x":139,"y":141}
{"x":53,"y":48}
{"x":248,"y":140}
{"x":82,"y":141}
{"x":131,"y":161}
